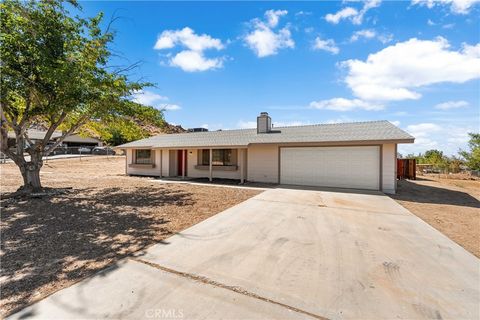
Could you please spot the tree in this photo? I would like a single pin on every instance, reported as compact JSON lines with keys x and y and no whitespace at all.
{"x":433,"y":156}
{"x":54,"y":70}
{"x":472,"y":157}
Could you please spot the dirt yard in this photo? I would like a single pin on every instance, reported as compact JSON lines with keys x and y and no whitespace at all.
{"x":451,"y":206}
{"x":50,"y":243}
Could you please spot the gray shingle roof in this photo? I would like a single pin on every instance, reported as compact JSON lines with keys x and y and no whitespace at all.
{"x":35,"y":134}
{"x":340,"y":132}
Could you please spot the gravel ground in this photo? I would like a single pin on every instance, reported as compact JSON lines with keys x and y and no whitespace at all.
{"x":449,"y":205}
{"x":50,"y":243}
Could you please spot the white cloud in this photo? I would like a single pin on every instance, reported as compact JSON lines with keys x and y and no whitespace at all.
{"x":350,"y":13}
{"x":153,"y":99}
{"x":341,"y":119}
{"x":303,"y":13}
{"x":423,"y":134}
{"x":273,"y":16}
{"x":246,"y":124}
{"x":393,"y":73}
{"x":327,"y":45}
{"x":342,"y":104}
{"x":430,"y":22}
{"x":289,"y":124}
{"x":366,"y":33}
{"x":264,"y":40}
{"x":395,"y":122}
{"x":146,"y":97}
{"x":456,"y":6}
{"x":192,"y":61}
{"x":171,"y":107}
{"x":448,"y":26}
{"x":192,"y":58}
{"x":451,"y":105}
{"x":370,"y":34}
{"x":385,"y":38}
{"x":423,"y":129}
{"x":187,"y":38}
{"x":342,"y":14}
{"x":443,"y":136}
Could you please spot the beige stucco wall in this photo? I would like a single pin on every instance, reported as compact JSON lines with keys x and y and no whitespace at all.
{"x":165,"y":162}
{"x":155,"y":171}
{"x":389,"y":164}
{"x":263,"y":163}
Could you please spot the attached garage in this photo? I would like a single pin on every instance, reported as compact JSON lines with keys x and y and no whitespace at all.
{"x":355,"y":167}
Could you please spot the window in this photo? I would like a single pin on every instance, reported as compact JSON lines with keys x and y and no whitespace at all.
{"x":143,"y":156}
{"x":220,"y":157}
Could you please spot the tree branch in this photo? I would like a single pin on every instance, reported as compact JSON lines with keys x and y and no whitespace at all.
{"x":81,"y":122}
{"x":53,"y":127}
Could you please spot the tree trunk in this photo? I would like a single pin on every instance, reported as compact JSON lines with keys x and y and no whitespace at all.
{"x":31,"y":176}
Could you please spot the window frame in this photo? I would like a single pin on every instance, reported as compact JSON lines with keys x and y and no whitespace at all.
{"x":144,"y":160}
{"x":225,"y":159}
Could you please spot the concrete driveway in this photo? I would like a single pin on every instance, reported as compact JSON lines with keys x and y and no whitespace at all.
{"x":287,"y":254}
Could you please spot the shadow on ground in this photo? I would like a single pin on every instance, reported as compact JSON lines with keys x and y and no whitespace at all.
{"x":416,"y":192}
{"x":64,"y":238}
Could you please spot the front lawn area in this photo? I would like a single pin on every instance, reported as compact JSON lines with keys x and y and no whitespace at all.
{"x":50,"y":243}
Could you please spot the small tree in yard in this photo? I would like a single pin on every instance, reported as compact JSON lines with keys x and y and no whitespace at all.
{"x":54,"y":71}
{"x":472,"y":157}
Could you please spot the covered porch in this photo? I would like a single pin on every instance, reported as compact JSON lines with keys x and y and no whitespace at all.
{"x":211,"y":163}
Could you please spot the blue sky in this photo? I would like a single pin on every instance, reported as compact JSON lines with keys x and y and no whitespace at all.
{"x":218,"y":64}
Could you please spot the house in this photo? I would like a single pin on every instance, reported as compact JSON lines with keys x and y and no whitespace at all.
{"x":76,"y":140}
{"x":359,"y":155}
{"x":73,"y":140}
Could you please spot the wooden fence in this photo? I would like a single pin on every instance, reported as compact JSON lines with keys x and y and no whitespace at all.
{"x":406,"y":169}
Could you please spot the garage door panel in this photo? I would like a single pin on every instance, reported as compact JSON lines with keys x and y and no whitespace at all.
{"x":343,"y":167}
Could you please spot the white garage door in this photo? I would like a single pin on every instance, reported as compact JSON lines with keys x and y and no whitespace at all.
{"x":342,"y":167}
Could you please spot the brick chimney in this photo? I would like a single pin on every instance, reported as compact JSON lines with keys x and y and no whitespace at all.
{"x":264,"y":123}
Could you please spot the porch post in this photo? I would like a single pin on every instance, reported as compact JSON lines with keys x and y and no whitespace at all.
{"x":161,"y":162}
{"x":242,"y":164}
{"x":184,"y":154}
{"x":210,"y":167}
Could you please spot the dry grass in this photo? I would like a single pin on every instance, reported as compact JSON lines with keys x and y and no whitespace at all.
{"x":451,"y":206}
{"x":50,"y":243}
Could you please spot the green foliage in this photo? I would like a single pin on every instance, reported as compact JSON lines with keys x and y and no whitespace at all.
{"x":472,"y":157}
{"x":54,"y":67}
{"x":54,"y":70}
{"x":435,"y":157}
{"x":438,"y":160}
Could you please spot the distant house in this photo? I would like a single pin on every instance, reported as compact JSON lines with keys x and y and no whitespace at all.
{"x":73,"y":140}
{"x":359,"y":155}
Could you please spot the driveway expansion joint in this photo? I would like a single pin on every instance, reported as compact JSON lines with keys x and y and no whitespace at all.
{"x":235,"y":289}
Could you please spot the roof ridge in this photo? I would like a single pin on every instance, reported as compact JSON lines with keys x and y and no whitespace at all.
{"x":294,"y":126}
{"x":331,"y":124}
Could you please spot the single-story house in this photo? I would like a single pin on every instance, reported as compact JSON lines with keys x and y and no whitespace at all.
{"x":359,"y":155}
{"x":73,"y":140}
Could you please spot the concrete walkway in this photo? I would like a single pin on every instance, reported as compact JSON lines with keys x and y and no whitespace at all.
{"x":287,"y":254}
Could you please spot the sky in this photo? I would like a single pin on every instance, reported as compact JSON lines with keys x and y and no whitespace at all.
{"x":219,"y":64}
